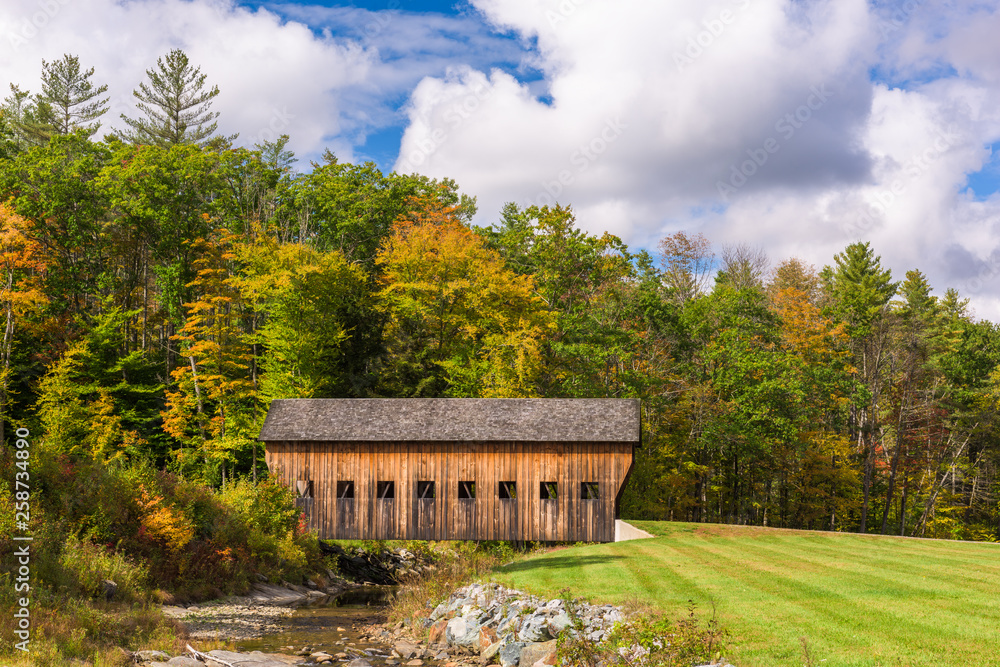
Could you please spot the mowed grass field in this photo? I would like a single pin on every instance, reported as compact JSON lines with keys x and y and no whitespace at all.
{"x":856,"y":599}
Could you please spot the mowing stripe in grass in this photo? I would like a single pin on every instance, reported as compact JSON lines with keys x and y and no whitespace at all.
{"x":861,"y":601}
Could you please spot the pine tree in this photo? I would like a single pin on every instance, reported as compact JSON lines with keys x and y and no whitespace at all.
{"x":70,"y":100}
{"x":23,"y":117}
{"x":176,"y":106}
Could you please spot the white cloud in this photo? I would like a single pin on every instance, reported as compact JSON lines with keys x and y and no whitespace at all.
{"x":772,"y":99}
{"x":274,"y":76}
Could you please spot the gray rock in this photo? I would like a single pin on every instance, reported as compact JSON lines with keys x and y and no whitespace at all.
{"x":559,"y":623}
{"x":510,"y":654}
{"x":108,"y":589}
{"x":462,"y":631}
{"x":359,"y":662}
{"x":438,"y":612}
{"x":534,"y":630}
{"x":532,"y":653}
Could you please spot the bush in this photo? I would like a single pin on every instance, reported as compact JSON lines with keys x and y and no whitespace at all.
{"x":86,"y":566}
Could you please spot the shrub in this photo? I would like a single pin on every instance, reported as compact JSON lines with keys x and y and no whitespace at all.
{"x":87,"y":566}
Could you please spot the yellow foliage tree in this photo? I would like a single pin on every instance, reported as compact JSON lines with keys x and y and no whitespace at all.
{"x":460,"y":322}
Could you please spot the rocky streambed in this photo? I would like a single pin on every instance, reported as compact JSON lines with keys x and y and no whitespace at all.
{"x":343,"y":624}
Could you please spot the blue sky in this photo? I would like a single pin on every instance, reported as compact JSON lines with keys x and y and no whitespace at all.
{"x":795,"y":125}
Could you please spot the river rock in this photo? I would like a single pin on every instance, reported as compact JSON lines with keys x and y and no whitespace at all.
{"x":539,"y":651}
{"x":359,"y":662}
{"x":406,"y":650}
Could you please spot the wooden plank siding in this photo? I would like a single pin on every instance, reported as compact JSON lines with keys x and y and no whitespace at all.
{"x":445,"y":516}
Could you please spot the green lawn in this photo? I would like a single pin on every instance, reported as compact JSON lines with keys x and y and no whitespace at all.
{"x":857,"y":599}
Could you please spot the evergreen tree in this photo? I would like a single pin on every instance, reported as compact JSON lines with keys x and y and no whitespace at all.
{"x":24,"y":120}
{"x":176,"y":106}
{"x":70,"y":101}
{"x":860,"y":290}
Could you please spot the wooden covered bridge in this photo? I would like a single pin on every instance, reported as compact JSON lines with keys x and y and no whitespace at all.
{"x":455,"y":469}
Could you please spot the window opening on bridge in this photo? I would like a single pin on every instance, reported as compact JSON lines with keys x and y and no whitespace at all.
{"x":508,"y":490}
{"x":467,"y":490}
{"x":549,"y":491}
{"x":386,"y":490}
{"x":590,"y":491}
{"x":304,"y":487}
{"x":345,"y":490}
{"x":425,"y":490}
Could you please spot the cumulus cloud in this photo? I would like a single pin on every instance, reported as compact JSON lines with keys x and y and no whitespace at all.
{"x":275,"y":76}
{"x":749,"y":121}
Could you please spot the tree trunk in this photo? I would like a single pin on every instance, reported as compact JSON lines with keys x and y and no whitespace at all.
{"x":867,"y":490}
{"x":902,"y":509}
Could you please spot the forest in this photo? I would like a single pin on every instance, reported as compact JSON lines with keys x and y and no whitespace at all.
{"x":160,"y":286}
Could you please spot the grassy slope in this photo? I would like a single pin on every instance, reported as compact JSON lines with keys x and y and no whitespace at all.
{"x":858,"y":600}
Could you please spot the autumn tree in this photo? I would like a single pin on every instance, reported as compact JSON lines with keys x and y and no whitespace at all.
{"x":21,"y":296}
{"x":210,"y":407}
{"x":460,"y":322}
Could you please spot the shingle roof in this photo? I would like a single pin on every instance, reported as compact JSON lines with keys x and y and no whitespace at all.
{"x":453,"y":419}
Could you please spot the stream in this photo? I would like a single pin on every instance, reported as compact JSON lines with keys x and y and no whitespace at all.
{"x":332,"y":625}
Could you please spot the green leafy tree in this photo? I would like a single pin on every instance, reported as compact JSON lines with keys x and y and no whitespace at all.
{"x":53,"y":188}
{"x":176,"y":106}
{"x":352,"y":208}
